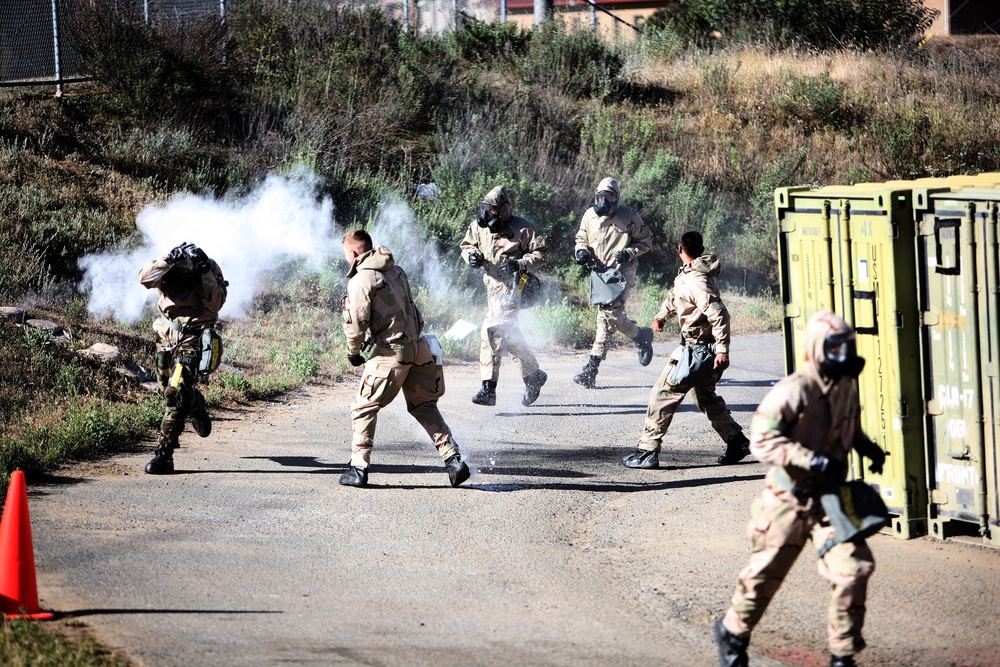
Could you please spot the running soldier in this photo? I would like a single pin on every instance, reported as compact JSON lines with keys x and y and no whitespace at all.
{"x":379,"y":303}
{"x":612,"y":235}
{"x":805,"y":428}
{"x":192,"y":291}
{"x":704,"y":321}
{"x":503,"y":245}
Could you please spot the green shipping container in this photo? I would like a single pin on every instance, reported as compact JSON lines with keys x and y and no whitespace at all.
{"x":850,"y":249}
{"x":960,"y":334}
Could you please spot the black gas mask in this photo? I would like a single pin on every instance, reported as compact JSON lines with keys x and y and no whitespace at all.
{"x":605,"y":203}
{"x":490,"y":217}
{"x":840,"y":356}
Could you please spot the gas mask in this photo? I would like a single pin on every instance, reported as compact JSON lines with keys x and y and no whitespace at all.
{"x":840,"y":356}
{"x":605,"y":203}
{"x":491,"y":217}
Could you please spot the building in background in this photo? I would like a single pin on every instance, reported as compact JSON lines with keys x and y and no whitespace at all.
{"x":965,"y":17}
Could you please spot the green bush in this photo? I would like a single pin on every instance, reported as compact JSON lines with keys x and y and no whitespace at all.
{"x":862,"y":24}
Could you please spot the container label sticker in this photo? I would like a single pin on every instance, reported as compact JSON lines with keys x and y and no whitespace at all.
{"x":863,"y":270}
{"x":888,"y":493}
{"x":897,"y":424}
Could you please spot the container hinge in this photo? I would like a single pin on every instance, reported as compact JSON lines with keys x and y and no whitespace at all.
{"x":901,"y":409}
{"x":899,"y":320}
{"x":929,"y":318}
{"x":932,"y":407}
{"x":960,"y":456}
{"x":939,"y":496}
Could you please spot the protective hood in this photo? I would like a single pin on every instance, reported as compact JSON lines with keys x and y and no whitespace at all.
{"x":824,"y":329}
{"x":710,"y":265}
{"x":607,"y":198}
{"x":611,"y":185}
{"x":494,"y":210}
{"x":376,"y":259}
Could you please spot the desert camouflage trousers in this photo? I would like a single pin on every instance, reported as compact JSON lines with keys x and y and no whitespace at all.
{"x":409,"y":367}
{"x":779,"y":528}
{"x":612,"y":318}
{"x":179,"y":399}
{"x":665,"y":398}
{"x":501,"y":331}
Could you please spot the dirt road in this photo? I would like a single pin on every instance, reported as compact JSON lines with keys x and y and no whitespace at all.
{"x":553,"y":554}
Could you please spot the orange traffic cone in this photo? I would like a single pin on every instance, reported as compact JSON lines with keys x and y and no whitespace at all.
{"x":18,"y":592}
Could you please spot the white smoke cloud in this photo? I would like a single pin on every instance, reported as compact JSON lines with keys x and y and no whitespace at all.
{"x":279,"y":221}
{"x":394,"y":227}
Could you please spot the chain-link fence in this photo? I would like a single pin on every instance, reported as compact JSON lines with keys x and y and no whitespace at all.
{"x":35,"y":49}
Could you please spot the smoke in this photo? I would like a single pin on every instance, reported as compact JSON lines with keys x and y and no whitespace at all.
{"x":394,"y":227}
{"x":280,"y":221}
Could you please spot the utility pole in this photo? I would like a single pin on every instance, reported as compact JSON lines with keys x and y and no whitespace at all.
{"x":544,"y":9}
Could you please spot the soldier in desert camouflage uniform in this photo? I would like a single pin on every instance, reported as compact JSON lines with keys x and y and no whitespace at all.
{"x":192,"y":291}
{"x":379,"y":303}
{"x":503,"y":245}
{"x":704,"y":320}
{"x":805,"y":428}
{"x":612,"y":235}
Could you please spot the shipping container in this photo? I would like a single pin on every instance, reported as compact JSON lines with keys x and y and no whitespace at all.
{"x":850,"y":249}
{"x":960,"y":332}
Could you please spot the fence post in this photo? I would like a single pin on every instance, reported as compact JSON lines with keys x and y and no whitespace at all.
{"x":55,"y":46}
{"x":503,"y":11}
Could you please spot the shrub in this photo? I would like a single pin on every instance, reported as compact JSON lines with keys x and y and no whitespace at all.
{"x":862,"y":24}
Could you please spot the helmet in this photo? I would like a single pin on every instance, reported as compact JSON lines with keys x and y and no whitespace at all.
{"x":494,"y":210}
{"x":831,"y":347}
{"x":607,"y":197}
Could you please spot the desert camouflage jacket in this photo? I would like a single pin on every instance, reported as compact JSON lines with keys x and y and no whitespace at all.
{"x":804,"y":414}
{"x":519,"y":241}
{"x":187,"y":298}
{"x":695,"y":301}
{"x":379,"y":300}
{"x":606,"y":235}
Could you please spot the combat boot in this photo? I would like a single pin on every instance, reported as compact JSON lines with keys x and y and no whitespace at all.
{"x":588,"y":376}
{"x":732,"y":649}
{"x":487,"y":395}
{"x":644,"y":344}
{"x":355,"y":476}
{"x":200,"y":421}
{"x":162,"y":462}
{"x":642,"y":458}
{"x":458,"y":472}
{"x":842,"y":661}
{"x":737,"y":449}
{"x":533,"y":386}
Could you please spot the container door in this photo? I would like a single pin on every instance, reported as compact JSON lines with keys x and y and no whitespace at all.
{"x":878,"y":288}
{"x":804,"y":263}
{"x":949,"y":284}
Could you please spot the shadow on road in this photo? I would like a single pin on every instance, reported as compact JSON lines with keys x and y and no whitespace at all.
{"x":637,"y":410}
{"x":620,"y":487}
{"x":103,"y":612}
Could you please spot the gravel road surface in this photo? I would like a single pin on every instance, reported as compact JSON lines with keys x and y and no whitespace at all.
{"x":552,"y":554}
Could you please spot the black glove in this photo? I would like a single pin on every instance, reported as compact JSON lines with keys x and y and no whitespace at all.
{"x":475,"y":260}
{"x":824,"y":466}
{"x":177,"y":253}
{"x":198,"y":257}
{"x":621,"y":256}
{"x":356,"y":360}
{"x":508,"y":268}
{"x":864,"y":446}
{"x":582,"y":257}
{"x":877,"y":457}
